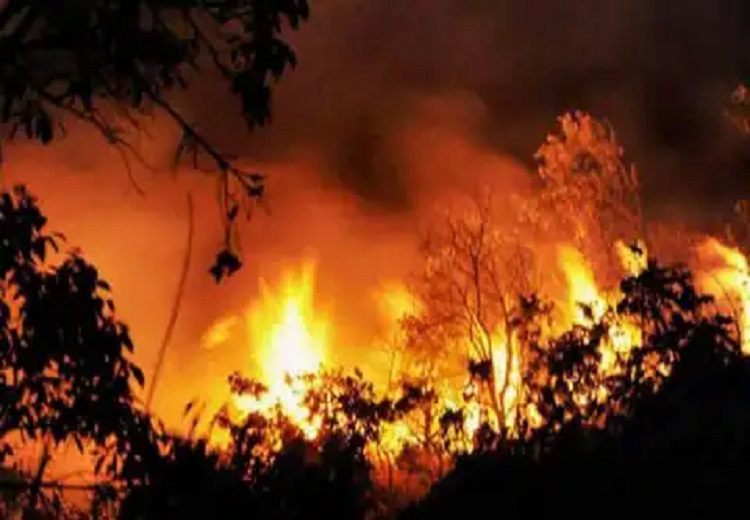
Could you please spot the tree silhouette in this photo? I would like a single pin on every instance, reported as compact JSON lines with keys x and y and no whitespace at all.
{"x":675,"y":425}
{"x":269,"y":469}
{"x":66,"y":372}
{"x":113,"y":63}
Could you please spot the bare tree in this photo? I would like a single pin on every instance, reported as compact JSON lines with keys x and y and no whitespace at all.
{"x":474,"y":273}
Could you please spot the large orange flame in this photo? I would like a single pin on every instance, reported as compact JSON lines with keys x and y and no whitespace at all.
{"x":588,"y":305}
{"x":727,"y":277}
{"x":286,"y":339}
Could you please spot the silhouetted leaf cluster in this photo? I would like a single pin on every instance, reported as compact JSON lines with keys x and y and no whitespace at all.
{"x":668,"y":436}
{"x":65,"y":365}
{"x":112,"y":63}
{"x":269,"y":469}
{"x":79,"y":56}
{"x":66,"y":369}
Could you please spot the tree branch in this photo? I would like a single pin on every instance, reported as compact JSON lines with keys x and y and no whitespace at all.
{"x":176,"y":306}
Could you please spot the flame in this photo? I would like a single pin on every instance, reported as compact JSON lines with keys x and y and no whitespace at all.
{"x":729,"y":281}
{"x":219,"y":333}
{"x":507,"y":375}
{"x":588,"y":305}
{"x":289,"y":340}
{"x":634,"y":259}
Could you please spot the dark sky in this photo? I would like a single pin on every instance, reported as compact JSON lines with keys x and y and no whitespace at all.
{"x":659,"y":70}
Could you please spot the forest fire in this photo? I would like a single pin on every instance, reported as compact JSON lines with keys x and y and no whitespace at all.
{"x":494,"y":291}
{"x":287,"y":339}
{"x":501,"y":313}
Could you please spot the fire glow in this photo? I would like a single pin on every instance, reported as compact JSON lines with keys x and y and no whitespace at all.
{"x":287,"y":337}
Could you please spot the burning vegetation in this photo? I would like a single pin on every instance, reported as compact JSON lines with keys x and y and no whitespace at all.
{"x":509,"y":331}
{"x":552,"y":349}
{"x":511,"y":336}
{"x":530,"y":322}
{"x":492,"y":300}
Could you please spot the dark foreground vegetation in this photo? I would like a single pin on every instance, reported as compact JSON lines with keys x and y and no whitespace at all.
{"x":671,"y":434}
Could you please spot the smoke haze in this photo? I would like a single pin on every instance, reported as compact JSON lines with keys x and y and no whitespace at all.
{"x":392,"y":104}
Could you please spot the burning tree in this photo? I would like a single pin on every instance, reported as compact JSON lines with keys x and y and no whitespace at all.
{"x":670,"y":419}
{"x":589,"y":195}
{"x":565,"y":383}
{"x":475,"y":271}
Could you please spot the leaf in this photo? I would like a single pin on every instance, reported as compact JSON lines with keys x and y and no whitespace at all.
{"x":137,"y":373}
{"x":126,"y":340}
{"x":226,"y":264}
{"x":98,"y":464}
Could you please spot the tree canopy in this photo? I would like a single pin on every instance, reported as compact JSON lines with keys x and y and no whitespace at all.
{"x":112,"y":63}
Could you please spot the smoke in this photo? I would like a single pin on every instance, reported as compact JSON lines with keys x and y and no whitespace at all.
{"x":393,"y":104}
{"x":661,"y":72}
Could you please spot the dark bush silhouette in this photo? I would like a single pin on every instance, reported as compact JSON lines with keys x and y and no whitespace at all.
{"x":65,"y":361}
{"x":669,"y":443}
{"x":269,"y":469}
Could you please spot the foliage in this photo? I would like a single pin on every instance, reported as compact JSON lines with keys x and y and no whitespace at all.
{"x":66,"y":373}
{"x":110,"y":63}
{"x":671,"y":438}
{"x":564,"y":382}
{"x":589,"y":196}
{"x":268,"y":469}
{"x":64,"y":358}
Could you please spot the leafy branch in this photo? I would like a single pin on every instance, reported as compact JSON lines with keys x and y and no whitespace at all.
{"x":112,"y":63}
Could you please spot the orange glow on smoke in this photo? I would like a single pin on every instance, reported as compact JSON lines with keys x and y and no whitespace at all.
{"x":395,"y":302}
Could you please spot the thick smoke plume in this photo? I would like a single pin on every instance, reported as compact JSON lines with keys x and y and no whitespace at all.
{"x":659,"y":71}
